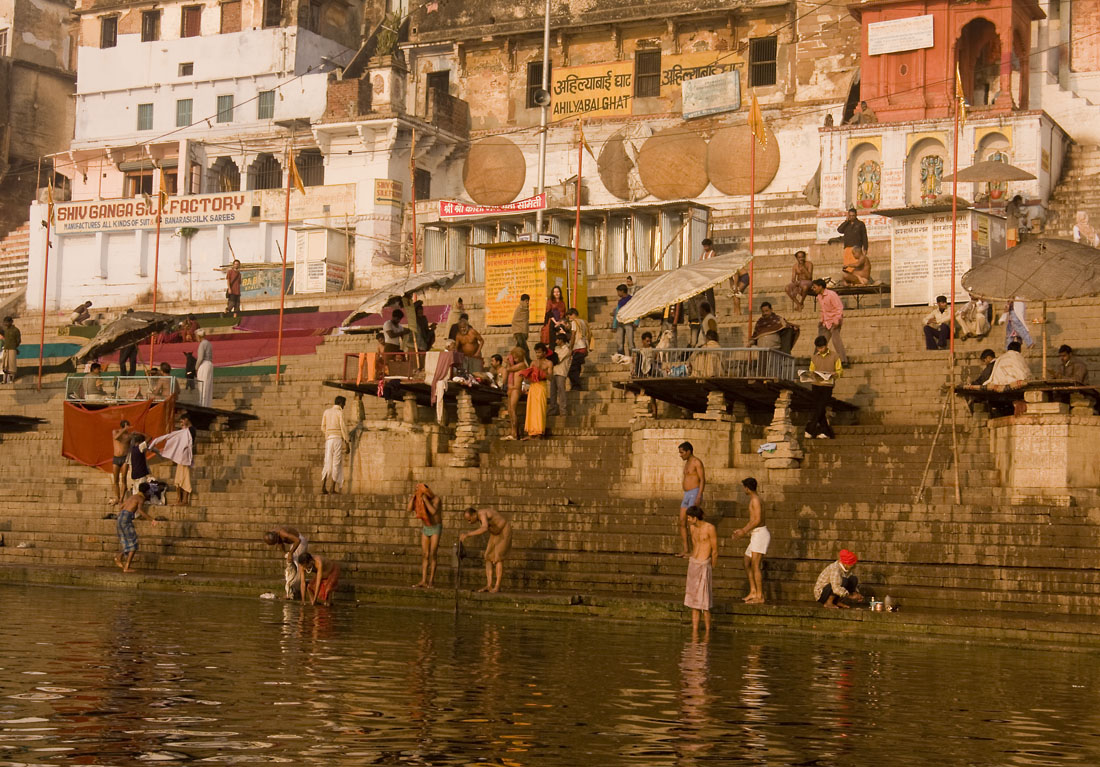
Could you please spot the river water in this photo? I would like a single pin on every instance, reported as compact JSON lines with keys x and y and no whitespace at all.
{"x":110,"y":678}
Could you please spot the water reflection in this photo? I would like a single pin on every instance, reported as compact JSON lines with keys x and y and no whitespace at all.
{"x":111,"y":679}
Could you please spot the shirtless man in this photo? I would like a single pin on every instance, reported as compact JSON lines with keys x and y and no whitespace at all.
{"x":759,"y":538}
{"x":469,"y":342}
{"x":427,"y":507}
{"x":127,"y":535}
{"x":120,"y":444}
{"x":500,"y":541}
{"x":698,"y":594}
{"x":695,"y":480}
{"x":299,"y":544}
{"x":326,"y":577}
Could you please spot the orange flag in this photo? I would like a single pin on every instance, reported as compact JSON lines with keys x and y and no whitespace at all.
{"x":960,"y":95}
{"x":756,"y":123}
{"x":293,"y":170}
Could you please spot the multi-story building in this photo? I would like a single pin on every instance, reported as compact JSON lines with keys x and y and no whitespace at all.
{"x":206,"y":101}
{"x":36,"y":85}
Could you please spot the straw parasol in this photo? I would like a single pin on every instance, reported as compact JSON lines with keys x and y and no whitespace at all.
{"x":991,"y":171}
{"x":1038,"y":270}
{"x":414,"y":283}
{"x":683,"y":283}
{"x":128,"y":329}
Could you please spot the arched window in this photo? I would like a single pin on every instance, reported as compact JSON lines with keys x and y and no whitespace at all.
{"x":311,"y":167}
{"x":265,"y":172}
{"x":225,"y":176}
{"x":865,"y":177}
{"x":993,"y":147}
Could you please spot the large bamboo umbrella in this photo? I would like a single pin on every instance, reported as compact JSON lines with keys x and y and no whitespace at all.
{"x":415,"y":283}
{"x":992,"y":171}
{"x":682,"y":284}
{"x":128,"y":329}
{"x":1043,"y":269}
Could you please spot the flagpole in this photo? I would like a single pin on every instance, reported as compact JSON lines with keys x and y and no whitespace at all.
{"x":156,"y":263}
{"x":577,"y":226}
{"x":954,"y":228}
{"x":45,"y":274}
{"x":286,"y":237}
{"x":412,"y":182}
{"x":752,"y":216}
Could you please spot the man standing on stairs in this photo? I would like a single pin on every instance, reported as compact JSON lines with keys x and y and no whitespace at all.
{"x":699,"y":590}
{"x":120,"y":444}
{"x":335,"y":431}
{"x":832,"y":317}
{"x":759,"y":538}
{"x":127,"y":535}
{"x":11,"y":338}
{"x":694,"y":482}
{"x":581,"y":338}
{"x":233,"y":289}
{"x":825,"y":368}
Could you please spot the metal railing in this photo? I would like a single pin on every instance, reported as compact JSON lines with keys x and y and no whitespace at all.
{"x":115,"y":389}
{"x":749,"y":362}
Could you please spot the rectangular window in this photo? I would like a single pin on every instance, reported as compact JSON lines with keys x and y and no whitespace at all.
{"x":534,"y":81}
{"x":3,"y":42}
{"x":145,"y":117}
{"x":273,"y":13}
{"x":437,"y":81}
{"x":265,"y":105}
{"x":187,"y":69}
{"x":183,"y":113}
{"x":647,"y":74}
{"x":171,"y":181}
{"x":137,"y":183}
{"x":191,"y":21}
{"x":231,"y":16}
{"x":150,"y":26}
{"x":108,"y":32}
{"x":422,"y":185}
{"x":762,"y":57}
{"x":225,"y":109}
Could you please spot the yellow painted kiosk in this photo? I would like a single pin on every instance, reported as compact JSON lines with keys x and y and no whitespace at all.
{"x":534,"y":268}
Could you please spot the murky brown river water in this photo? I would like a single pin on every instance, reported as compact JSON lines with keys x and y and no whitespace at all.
{"x":106,"y":678}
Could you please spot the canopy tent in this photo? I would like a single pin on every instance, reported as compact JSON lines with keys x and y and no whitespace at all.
{"x":128,"y":329}
{"x":1038,"y":270}
{"x":682,"y":284}
{"x":414,"y":283}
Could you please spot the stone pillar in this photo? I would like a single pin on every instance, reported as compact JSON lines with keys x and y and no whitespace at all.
{"x":391,"y":410}
{"x":787,"y":452}
{"x":716,"y":407}
{"x":464,"y":448}
{"x":643,"y":406}
{"x":1079,"y":404}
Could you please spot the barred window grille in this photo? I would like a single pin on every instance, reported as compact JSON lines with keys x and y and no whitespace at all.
{"x":534,"y":81}
{"x":265,"y":173}
{"x":647,"y":74}
{"x":226,"y":175}
{"x":763,"y":53}
{"x":311,"y":167}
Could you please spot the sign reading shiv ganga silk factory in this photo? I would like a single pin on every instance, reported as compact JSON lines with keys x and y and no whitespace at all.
{"x":141,"y":213}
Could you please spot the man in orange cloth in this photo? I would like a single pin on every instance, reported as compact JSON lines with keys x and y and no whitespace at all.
{"x":428,"y":508}
{"x":326,"y":577}
{"x":857,"y":266}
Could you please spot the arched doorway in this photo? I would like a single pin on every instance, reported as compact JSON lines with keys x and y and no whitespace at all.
{"x":978,"y":51}
{"x":993,"y":147}
{"x":225,"y":176}
{"x":265,"y":172}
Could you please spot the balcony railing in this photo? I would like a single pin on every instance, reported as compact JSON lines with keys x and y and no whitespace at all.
{"x":368,"y":367}
{"x":115,"y":390}
{"x":744,"y":363}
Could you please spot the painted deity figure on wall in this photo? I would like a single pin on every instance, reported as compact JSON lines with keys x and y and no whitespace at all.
{"x":931,"y":177}
{"x":868,"y":184}
{"x":996,"y":189}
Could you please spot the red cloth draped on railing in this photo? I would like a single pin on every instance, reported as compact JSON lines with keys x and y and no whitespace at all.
{"x":86,"y":437}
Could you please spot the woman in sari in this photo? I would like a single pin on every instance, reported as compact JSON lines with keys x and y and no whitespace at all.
{"x":537,"y":393}
{"x":514,"y":366}
{"x":555,"y":314}
{"x":802,"y":276}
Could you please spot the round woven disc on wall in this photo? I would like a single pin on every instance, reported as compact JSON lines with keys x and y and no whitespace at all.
{"x":494,"y":172}
{"x":673,"y":163}
{"x":728,"y":160}
{"x":615,"y":166}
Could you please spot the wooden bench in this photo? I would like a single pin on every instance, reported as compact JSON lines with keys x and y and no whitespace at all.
{"x":880,"y":289}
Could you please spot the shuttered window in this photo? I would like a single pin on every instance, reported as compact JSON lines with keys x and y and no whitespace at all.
{"x":534,"y":81}
{"x":231,"y":16}
{"x":762,"y":58}
{"x":225,"y":109}
{"x":108,"y":32}
{"x":191,"y":21}
{"x":647,"y":74}
{"x":183,"y":113}
{"x":145,"y":117}
{"x":150,"y":26}
{"x":265,"y":105}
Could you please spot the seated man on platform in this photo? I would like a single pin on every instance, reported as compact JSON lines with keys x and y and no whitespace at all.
{"x":857,"y":267}
{"x":162,"y":381}
{"x":937,"y":326}
{"x":1073,"y":369}
{"x":707,"y":364}
{"x":836,"y":582}
{"x":1010,"y":370}
{"x":973,"y":319}
{"x":81,"y":314}
{"x":773,"y":332}
{"x":93,"y":384}
{"x":988,"y":358}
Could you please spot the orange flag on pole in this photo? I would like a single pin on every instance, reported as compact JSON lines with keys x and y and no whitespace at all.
{"x":756,"y":123}
{"x":293,"y":170}
{"x":960,"y":95}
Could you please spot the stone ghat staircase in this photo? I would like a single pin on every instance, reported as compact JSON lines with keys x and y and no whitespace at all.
{"x":584,"y":523}
{"x":1078,"y":190}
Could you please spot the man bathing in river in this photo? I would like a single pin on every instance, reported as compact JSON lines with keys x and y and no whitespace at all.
{"x":759,"y":538}
{"x":127,"y":535}
{"x":698,"y":593}
{"x":695,"y":480}
{"x":427,"y":507}
{"x":326,"y":576}
{"x":500,"y":542}
{"x":299,"y":544}
{"x":120,"y":444}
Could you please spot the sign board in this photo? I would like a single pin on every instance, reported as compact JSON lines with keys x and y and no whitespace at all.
{"x":920,"y":252}
{"x":196,"y":210}
{"x":261,"y":283}
{"x":898,"y":35}
{"x":456,"y":209}
{"x":388,"y":192}
{"x":331,"y":201}
{"x":711,"y":95}
{"x":515,"y":268}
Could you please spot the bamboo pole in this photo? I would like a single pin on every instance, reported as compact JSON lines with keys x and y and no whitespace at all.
{"x":951,"y":331}
{"x":282,"y":286}
{"x":412,"y":194}
{"x":752,"y":225}
{"x":156,"y":267}
{"x":932,"y":449}
{"x":577,"y":224}
{"x":45,"y":274}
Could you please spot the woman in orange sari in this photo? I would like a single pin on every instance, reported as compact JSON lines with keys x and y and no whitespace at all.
{"x":555,"y":314}
{"x":537,"y":393}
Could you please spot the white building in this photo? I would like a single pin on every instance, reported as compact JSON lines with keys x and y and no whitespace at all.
{"x":205,"y":100}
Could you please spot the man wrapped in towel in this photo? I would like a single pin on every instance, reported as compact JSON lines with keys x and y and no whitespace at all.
{"x":178,"y":447}
{"x":698,"y":592}
{"x":1010,"y":370}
